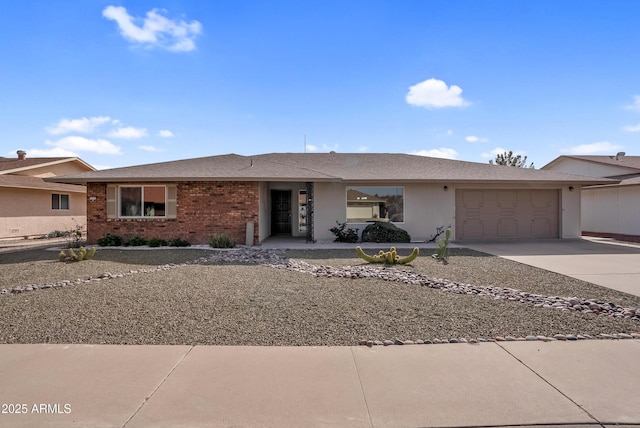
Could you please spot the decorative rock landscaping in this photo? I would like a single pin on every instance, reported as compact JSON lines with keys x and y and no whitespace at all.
{"x":276,"y":259}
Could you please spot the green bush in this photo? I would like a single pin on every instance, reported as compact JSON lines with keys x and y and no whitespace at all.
{"x":384,"y":231}
{"x":179,"y":242}
{"x":135,"y":241}
{"x":221,"y":240}
{"x":158,"y":242}
{"x":344,"y":233}
{"x":109,"y":240}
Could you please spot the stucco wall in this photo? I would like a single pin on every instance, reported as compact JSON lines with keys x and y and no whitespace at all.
{"x":612,"y":210}
{"x":27,"y":212}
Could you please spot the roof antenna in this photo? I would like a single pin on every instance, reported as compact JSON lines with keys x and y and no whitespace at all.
{"x":251,"y":159}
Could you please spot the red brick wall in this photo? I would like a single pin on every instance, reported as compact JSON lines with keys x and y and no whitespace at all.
{"x":204,"y":208}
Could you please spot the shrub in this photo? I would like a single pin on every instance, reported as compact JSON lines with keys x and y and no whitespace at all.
{"x":158,"y":242}
{"x":220,"y":240}
{"x":135,"y":241}
{"x":384,"y":231}
{"x":344,"y":233}
{"x":109,"y":240}
{"x":179,"y":242}
{"x":57,"y":234}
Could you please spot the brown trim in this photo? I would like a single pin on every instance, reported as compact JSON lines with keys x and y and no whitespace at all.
{"x":616,"y":236}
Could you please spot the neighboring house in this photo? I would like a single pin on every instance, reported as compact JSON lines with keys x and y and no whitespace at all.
{"x":30,"y":206}
{"x":611,"y":210}
{"x":303,"y":194}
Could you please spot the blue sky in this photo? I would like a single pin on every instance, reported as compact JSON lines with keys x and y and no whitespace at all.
{"x":122,"y":83}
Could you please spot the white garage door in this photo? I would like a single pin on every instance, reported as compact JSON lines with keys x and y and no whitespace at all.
{"x":494,"y":214}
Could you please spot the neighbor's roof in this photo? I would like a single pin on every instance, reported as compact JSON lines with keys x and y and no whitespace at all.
{"x":331,"y":167}
{"x":631,"y":162}
{"x":28,"y":182}
{"x":13,"y":165}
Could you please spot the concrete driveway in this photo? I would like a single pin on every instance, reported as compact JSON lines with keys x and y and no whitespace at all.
{"x":603,"y":262}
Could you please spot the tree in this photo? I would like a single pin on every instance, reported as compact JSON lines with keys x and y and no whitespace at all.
{"x":508,"y":159}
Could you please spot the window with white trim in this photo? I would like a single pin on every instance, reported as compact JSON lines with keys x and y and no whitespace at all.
{"x":375,"y":203}
{"x":142,"y":201}
{"x":59,"y":201}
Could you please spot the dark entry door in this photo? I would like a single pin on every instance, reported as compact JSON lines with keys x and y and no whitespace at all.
{"x":280,"y":212}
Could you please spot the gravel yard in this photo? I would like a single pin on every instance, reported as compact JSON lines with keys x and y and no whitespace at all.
{"x":241,"y":304}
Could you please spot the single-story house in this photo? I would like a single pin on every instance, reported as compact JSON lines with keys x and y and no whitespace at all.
{"x":608,"y":210}
{"x":31,"y":206}
{"x":251,"y":198}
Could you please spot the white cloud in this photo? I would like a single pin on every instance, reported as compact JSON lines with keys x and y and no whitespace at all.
{"x":155,"y":29}
{"x":435,"y":93}
{"x":442,"y":152}
{"x":165,"y":133}
{"x":498,"y":151}
{"x":603,"y":147}
{"x":56,"y":152}
{"x":99,"y":167}
{"x":449,"y":132}
{"x":75,"y":143}
{"x":632,"y":128}
{"x":324,"y":148}
{"x":474,"y":139}
{"x":363,"y":149}
{"x":636,"y":103}
{"x":84,"y":125}
{"x":150,"y":149}
{"x":129,"y":133}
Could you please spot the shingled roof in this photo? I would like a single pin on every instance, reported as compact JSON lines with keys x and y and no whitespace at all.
{"x":631,"y":163}
{"x":13,"y":165}
{"x":330,"y":167}
{"x":28,"y":182}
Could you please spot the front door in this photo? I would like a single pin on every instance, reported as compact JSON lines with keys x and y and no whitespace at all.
{"x":280,"y":212}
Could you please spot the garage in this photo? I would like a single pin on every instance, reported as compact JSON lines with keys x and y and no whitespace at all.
{"x":507,"y":213}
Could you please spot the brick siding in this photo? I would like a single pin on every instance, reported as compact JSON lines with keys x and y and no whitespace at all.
{"x":203,"y":208}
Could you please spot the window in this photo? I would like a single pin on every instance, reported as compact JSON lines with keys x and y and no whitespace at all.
{"x":302,"y":210}
{"x":143,"y":201}
{"x":375,"y":203}
{"x":59,"y":201}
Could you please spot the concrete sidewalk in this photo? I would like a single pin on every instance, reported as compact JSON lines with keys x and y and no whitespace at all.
{"x":582,"y":383}
{"x":609,"y":264}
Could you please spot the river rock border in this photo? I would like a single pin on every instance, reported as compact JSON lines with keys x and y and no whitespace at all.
{"x":275,"y":259}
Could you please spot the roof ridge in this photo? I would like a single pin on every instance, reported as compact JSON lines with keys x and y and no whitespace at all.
{"x":299,"y":167}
